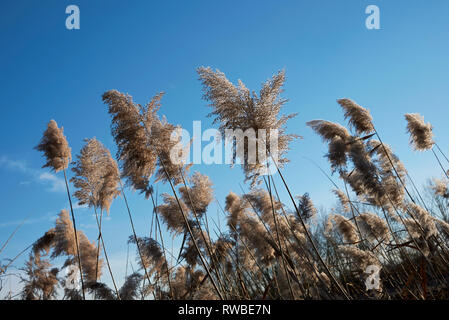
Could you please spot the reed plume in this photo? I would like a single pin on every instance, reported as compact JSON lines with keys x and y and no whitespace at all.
{"x":423,"y":224}
{"x":96,"y":176}
{"x":338,"y":138}
{"x":55,"y":147}
{"x":359,"y":117}
{"x":171,"y":213}
{"x":373,"y":227}
{"x":346,"y":227}
{"x":343,"y":199}
{"x":64,"y":244}
{"x":421,"y":135}
{"x":235,"y":107}
{"x":306,"y":207}
{"x":130,"y":289}
{"x":153,"y":257}
{"x":199,"y":195}
{"x":137,"y":157}
{"x":144,"y":142}
{"x":440,"y":188}
{"x":41,"y":282}
{"x":361,"y":258}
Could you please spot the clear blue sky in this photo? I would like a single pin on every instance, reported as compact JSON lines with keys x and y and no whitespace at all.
{"x":143,"y":47}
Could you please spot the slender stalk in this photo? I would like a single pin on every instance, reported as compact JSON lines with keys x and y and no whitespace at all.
{"x":158,"y":226}
{"x":201,"y":231}
{"x":309,"y":237}
{"x":392,"y":165}
{"x":441,"y":165}
{"x":441,"y":151}
{"x":100,"y":238}
{"x":278,"y":238}
{"x":2,"y":271}
{"x":12,"y":234}
{"x":135,"y":236}
{"x":203,"y":261}
{"x":76,"y":234}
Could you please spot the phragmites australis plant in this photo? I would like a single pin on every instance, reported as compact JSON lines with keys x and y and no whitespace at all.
{"x":257,"y":246}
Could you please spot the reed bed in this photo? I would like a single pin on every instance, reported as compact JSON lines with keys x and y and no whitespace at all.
{"x":268,"y":248}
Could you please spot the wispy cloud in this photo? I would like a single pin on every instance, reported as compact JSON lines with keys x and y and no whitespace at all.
{"x":49,"y":216}
{"x":17,"y":165}
{"x":55,"y":184}
{"x":52,"y":182}
{"x":85,"y":226}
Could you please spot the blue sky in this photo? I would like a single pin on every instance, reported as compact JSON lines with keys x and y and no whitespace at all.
{"x":144,"y":47}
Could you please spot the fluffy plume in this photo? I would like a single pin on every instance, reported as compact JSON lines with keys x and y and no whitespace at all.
{"x":364,"y":178}
{"x":130,"y":288}
{"x":179,"y":283}
{"x":41,"y":282}
{"x":172,"y":214}
{"x":64,"y":244}
{"x":137,"y":157}
{"x":421,"y":135}
{"x":221,"y":249}
{"x":100,"y":290}
{"x":261,"y":201}
{"x":257,"y":238}
{"x":389,"y":168}
{"x":344,"y":226}
{"x":443,"y":225}
{"x":344,"y":200}
{"x":387,"y":159}
{"x":143,"y":141}
{"x":161,"y":141}
{"x":373,"y":227}
{"x":235,"y":107}
{"x":96,"y":176}
{"x":236,"y":208}
{"x":55,"y":147}
{"x":359,"y":117}
{"x":199,"y":195}
{"x":424,"y":225}
{"x":190,"y":254}
{"x":248,"y":225}
{"x":152,"y":256}
{"x":439,"y":187}
{"x":337,"y":154}
{"x":338,"y":138}
{"x":328,"y":130}
{"x":43,"y":245}
{"x":362,"y":259}
{"x":306,"y":207}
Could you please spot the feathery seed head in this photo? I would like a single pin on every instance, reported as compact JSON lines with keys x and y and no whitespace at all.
{"x":235,"y":107}
{"x":359,"y":117}
{"x":55,"y":147}
{"x":421,"y":135}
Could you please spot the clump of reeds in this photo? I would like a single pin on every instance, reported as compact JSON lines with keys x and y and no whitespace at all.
{"x":267,"y":250}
